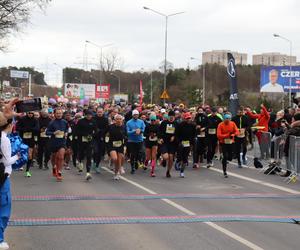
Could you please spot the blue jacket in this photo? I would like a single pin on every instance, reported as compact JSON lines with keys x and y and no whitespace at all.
{"x":55,"y":125}
{"x":131,"y":126}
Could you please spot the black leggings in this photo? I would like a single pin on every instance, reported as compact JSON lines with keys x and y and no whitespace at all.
{"x":135,"y":149}
{"x":227,"y":155}
{"x":86,"y":150}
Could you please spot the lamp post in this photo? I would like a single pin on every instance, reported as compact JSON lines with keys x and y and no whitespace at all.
{"x":166,"y":39}
{"x":290,"y":83}
{"x":203,"y":80}
{"x":101,"y":47}
{"x":119,"y":82}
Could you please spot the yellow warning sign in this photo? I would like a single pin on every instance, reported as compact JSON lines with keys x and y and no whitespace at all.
{"x":165,"y":95}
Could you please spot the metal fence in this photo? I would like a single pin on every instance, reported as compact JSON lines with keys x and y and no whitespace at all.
{"x":293,"y":160}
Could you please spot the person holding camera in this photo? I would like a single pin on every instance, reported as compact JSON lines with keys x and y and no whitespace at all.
{"x":6,"y":160}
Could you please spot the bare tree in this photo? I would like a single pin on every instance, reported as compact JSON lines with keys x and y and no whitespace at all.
{"x":111,"y":62}
{"x":14,"y":15}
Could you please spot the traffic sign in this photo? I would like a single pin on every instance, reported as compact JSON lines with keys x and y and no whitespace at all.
{"x":165,"y":95}
{"x":19,"y":74}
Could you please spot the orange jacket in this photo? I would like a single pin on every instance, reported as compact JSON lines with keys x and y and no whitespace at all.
{"x":227,"y":131}
{"x":263,"y":118}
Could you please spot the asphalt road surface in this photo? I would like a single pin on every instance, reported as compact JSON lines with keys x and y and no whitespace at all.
{"x":200,"y":235}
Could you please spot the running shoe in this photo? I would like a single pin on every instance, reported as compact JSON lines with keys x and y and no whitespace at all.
{"x":88,"y":176}
{"x":152,"y":174}
{"x":80,"y":167}
{"x":97,"y":170}
{"x":28,"y":174}
{"x":177,"y":166}
{"x":225,"y":175}
{"x":67,"y":167}
{"x":59,"y":176}
{"x":195,"y":166}
{"x":168,"y":175}
{"x":116,"y":177}
{"x":244,"y":161}
{"x":181,"y":174}
{"x":54,"y":172}
{"x":4,"y":246}
{"x":122,"y":170}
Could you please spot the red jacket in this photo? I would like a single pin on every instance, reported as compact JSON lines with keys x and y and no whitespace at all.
{"x":263,"y":118}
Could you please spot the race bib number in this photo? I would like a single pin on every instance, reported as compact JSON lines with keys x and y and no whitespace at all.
{"x":201,"y":135}
{"x":85,"y":139}
{"x":185,"y":144}
{"x":242,"y":133}
{"x":27,"y":135}
{"x":212,"y":131}
{"x":60,"y":135}
{"x":228,"y":141}
{"x":43,"y":135}
{"x":170,"y":130}
{"x":154,"y":138}
{"x":117,"y":144}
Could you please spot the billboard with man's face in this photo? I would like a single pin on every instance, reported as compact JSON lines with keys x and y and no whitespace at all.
{"x":276,"y":79}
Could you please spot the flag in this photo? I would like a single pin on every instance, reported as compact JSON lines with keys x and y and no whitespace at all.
{"x":141,"y":93}
{"x":233,"y":98}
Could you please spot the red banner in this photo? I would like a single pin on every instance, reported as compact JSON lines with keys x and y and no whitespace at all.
{"x":102,"y":91}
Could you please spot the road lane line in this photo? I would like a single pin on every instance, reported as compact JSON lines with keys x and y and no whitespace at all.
{"x":267,"y":184}
{"x":189,"y":212}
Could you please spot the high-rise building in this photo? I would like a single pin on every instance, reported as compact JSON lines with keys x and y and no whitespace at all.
{"x":220,"y":57}
{"x":274,"y":59}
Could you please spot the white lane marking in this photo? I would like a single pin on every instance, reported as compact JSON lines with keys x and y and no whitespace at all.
{"x":189,"y":212}
{"x":267,"y":184}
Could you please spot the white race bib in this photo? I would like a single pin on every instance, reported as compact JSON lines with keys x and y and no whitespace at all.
{"x":27,"y":135}
{"x":170,"y":129}
{"x":43,"y":135}
{"x":186,"y":144}
{"x":242,"y":133}
{"x":117,"y":144}
{"x":228,"y":141}
{"x":212,"y":131}
{"x":60,"y":135}
{"x":85,"y":139}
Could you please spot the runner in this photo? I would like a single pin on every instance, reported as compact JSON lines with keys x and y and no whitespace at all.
{"x":68,"y":154}
{"x":211,"y":133}
{"x":28,"y":126}
{"x":99,"y":147}
{"x":185,"y":132}
{"x":115,"y":144}
{"x":151,"y":142}
{"x":199,"y":151}
{"x":57,"y":129}
{"x":43,"y":140}
{"x":167,"y":140}
{"x":86,"y":130}
{"x":226,"y":132}
{"x":135,"y":129}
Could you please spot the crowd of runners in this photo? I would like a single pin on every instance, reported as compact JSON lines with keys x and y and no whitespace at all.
{"x":82,"y":136}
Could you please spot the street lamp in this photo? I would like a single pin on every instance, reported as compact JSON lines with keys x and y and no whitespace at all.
{"x":290,"y":83}
{"x":203,"y":80}
{"x":166,"y":39}
{"x":119,"y":81}
{"x":101,"y":47}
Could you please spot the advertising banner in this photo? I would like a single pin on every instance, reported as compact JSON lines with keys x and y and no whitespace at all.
{"x":102,"y":91}
{"x":276,"y":79}
{"x":231,"y":71}
{"x":80,"y":90}
{"x":19,"y":74}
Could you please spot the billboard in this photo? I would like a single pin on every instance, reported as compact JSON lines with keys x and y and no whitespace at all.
{"x":79,"y":90}
{"x":19,"y":74}
{"x":276,"y":79}
{"x":121,"y":98}
{"x":102,"y":91}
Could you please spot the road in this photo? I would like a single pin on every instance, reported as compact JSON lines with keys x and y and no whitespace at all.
{"x":206,"y":235}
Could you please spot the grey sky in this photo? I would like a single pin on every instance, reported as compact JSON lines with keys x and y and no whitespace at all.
{"x":138,"y":35}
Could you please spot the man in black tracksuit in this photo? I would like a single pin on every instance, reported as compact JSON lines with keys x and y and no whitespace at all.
{"x":242,"y":123}
{"x":43,"y":140}
{"x":99,"y":143}
{"x":201,"y":121}
{"x":211,"y":135}
{"x":185,"y":133}
{"x":86,"y":130}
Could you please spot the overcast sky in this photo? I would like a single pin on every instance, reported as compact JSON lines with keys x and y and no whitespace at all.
{"x":58,"y":36}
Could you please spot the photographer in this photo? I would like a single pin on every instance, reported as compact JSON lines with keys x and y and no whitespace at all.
{"x":5,"y":170}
